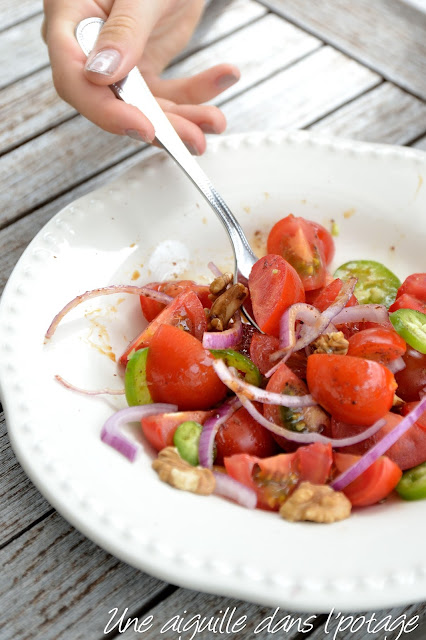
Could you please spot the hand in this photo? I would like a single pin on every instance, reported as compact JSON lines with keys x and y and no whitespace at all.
{"x":139,"y":33}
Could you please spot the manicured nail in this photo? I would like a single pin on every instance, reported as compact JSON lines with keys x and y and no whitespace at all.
{"x":192,"y":150}
{"x":105,"y":62}
{"x":136,"y":135}
{"x":226,"y":81}
{"x":207,"y":128}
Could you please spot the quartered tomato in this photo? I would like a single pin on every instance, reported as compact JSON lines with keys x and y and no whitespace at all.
{"x":326,"y":296}
{"x":274,"y":286}
{"x":374,"y":484}
{"x":352,"y":389}
{"x":406,"y":301}
{"x":275,"y":478}
{"x":179,"y":370}
{"x":151,"y":308}
{"x":381,"y":344}
{"x":307,"y":246}
{"x":415,"y":285}
{"x":262,"y":347}
{"x":243,"y":434}
{"x":185,"y":312}
{"x":407,"y":452}
{"x":159,"y":429}
{"x":285,"y":381}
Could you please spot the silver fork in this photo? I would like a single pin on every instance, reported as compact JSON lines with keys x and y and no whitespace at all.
{"x":134,"y":90}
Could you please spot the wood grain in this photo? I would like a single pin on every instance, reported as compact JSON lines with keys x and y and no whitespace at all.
{"x":301,"y":94}
{"x":21,"y":503}
{"x":13,"y":12}
{"x":54,"y":579}
{"x":385,"y":114}
{"x":383,"y":34}
{"x":22,"y":51}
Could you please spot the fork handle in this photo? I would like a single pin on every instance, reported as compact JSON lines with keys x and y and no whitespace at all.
{"x":134,"y":90}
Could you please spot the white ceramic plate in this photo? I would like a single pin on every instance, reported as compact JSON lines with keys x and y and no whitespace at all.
{"x":152,"y":224}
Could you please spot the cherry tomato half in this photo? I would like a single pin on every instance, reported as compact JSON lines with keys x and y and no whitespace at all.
{"x":353,"y":390}
{"x":179,"y":370}
{"x":297,"y":240}
{"x":274,"y":286}
{"x":412,"y":379}
{"x":374,"y":484}
{"x":381,"y":344}
{"x":151,"y":308}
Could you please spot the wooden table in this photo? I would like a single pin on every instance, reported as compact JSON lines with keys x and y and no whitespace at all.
{"x":352,"y":68}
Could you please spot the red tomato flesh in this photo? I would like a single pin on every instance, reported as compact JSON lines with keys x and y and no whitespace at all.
{"x":274,"y":286}
{"x":297,"y":240}
{"x":407,"y":452}
{"x":374,"y":484}
{"x":151,"y":308}
{"x":327,"y":295}
{"x":186,"y":311}
{"x":381,"y":344}
{"x":243,"y":434}
{"x":179,"y":370}
{"x":412,"y":379}
{"x":273,"y":479}
{"x":351,"y":389}
{"x":159,"y":429}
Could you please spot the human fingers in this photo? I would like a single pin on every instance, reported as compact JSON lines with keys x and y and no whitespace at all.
{"x":196,"y":89}
{"x":190,"y":133}
{"x":122,"y":40}
{"x":96,"y":103}
{"x":208,"y":118}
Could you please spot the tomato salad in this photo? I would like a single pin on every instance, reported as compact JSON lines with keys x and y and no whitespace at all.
{"x":318,"y":410}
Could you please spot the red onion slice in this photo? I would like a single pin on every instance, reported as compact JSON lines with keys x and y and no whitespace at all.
{"x":104,"y":291}
{"x":210,"y":428}
{"x":363,"y":313}
{"x":309,"y":438}
{"x":353,"y":472}
{"x":99,"y":392}
{"x":396,"y":365}
{"x":215,"y":270}
{"x":228,"y":487}
{"x":111,"y":431}
{"x":224,"y":339}
{"x":241,"y":388}
{"x":300,"y":311}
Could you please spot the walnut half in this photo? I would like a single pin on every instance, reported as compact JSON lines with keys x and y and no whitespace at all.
{"x":317,"y":503}
{"x":172,"y":469}
{"x":334,"y":342}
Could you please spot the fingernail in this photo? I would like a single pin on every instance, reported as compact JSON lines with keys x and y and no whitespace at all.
{"x":192,"y":150}
{"x":136,"y":135}
{"x":105,"y":62}
{"x":207,"y":128}
{"x":226,"y":81}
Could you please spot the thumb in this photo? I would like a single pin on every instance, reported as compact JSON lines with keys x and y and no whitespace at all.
{"x":122,"y":40}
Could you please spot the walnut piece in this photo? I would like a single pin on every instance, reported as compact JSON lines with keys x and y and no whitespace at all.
{"x":172,"y":469}
{"x":317,"y":503}
{"x":224,"y":307}
{"x":334,"y":342}
{"x":220,"y":283}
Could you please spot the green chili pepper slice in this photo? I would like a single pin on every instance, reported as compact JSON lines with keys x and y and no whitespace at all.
{"x":135,"y":383}
{"x":376,"y":283}
{"x":241,"y":363}
{"x":411,"y":325}
{"x":412,"y":485}
{"x":186,"y":439}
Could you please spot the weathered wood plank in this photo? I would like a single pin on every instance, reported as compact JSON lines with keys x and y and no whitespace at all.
{"x":281,"y":44}
{"x":385,"y":114}
{"x":362,"y":626}
{"x":420,"y":144}
{"x":20,"y":502}
{"x":296,"y":97}
{"x":250,"y":620}
{"x":57,"y":160}
{"x":13,"y":12}
{"x":31,"y":106}
{"x":28,"y":108}
{"x":22,"y":51}
{"x":220,"y":19}
{"x":57,"y":584}
{"x":387,"y":35}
